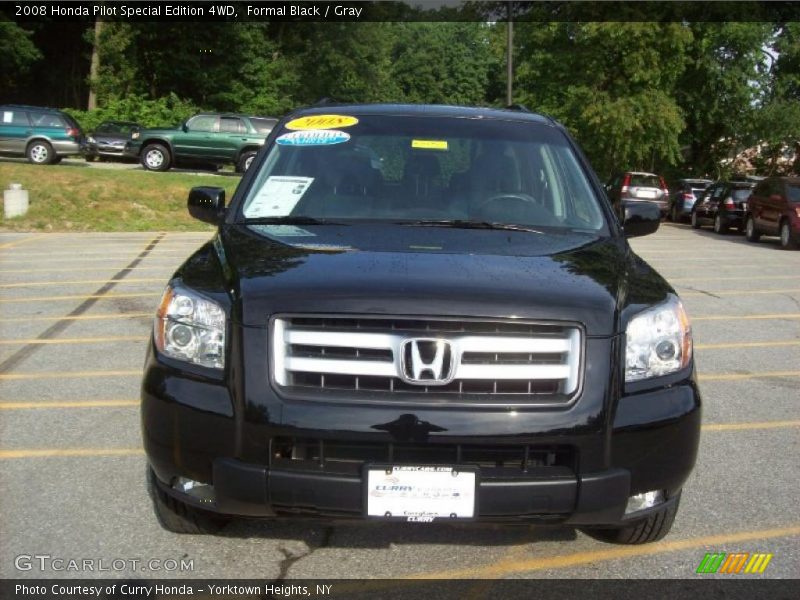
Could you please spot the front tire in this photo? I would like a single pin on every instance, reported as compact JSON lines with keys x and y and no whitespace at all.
{"x":156,"y":157}
{"x":787,"y":241}
{"x":40,"y":153}
{"x":245,"y":161}
{"x":695,"y":221}
{"x":642,"y":531}
{"x":750,"y":231}
{"x":177,"y":517}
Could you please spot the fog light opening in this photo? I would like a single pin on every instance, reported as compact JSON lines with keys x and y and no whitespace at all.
{"x":644,"y":500}
{"x":204,"y":492}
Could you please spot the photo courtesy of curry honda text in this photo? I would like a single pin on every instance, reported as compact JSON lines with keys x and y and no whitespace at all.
{"x":424,"y":314}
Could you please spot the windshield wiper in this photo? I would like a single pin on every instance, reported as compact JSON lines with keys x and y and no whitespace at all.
{"x":292,"y":220}
{"x":464,"y":224}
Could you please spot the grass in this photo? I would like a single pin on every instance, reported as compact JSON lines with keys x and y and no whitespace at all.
{"x":78,"y":198}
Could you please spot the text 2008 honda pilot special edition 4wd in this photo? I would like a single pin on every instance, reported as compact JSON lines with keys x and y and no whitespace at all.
{"x":420,"y":313}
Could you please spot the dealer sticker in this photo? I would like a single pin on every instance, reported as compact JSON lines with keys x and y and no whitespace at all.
{"x":322,"y":122}
{"x":314,"y":137}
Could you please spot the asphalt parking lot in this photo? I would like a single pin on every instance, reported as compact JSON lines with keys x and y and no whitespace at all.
{"x":74,"y":319}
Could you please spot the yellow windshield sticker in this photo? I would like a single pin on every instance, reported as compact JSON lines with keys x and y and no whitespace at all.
{"x":429,"y":144}
{"x":322,"y":122}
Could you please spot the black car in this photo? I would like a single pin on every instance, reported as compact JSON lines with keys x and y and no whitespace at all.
{"x":723,"y":205}
{"x":420,"y":313}
{"x":108,"y":140}
{"x":685,"y":193}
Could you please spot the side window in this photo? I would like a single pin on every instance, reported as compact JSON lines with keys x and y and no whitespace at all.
{"x":202,"y":123}
{"x":231,"y":125}
{"x":14,"y":117}
{"x":42,"y":119}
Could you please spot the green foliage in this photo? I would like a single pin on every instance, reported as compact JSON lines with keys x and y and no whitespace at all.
{"x":166,"y":111}
{"x":17,"y":53}
{"x":612,"y":84}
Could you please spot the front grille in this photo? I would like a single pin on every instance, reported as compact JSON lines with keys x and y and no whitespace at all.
{"x":406,"y":359}
{"x":349,"y":457}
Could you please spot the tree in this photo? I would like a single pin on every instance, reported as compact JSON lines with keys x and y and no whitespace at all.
{"x":17,"y":54}
{"x":612,"y":84}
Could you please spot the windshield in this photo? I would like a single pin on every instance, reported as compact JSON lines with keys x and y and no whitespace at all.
{"x":407,"y":169}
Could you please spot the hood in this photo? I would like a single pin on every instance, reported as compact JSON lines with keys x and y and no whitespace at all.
{"x":426,"y":271}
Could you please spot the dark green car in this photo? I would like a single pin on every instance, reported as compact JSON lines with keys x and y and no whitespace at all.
{"x":207,"y":138}
{"x":43,"y":135}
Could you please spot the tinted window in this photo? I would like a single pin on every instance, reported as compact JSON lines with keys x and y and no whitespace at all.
{"x":742,"y":193}
{"x":203,"y":123}
{"x":645,"y":181}
{"x":42,"y":119}
{"x":263,"y":125}
{"x":409,"y":168}
{"x":231,"y":125}
{"x":793,"y":192}
{"x":14,"y":117}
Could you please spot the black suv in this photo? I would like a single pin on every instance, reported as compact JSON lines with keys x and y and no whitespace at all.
{"x":420,"y":313}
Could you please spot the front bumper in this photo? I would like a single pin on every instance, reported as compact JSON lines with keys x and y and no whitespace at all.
{"x":189,"y":430}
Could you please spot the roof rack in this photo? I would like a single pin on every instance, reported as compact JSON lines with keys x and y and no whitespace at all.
{"x":518,"y":107}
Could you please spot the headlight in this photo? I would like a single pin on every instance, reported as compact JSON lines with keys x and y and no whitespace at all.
{"x":659,"y":341}
{"x":191,"y":328}
{"x":135,"y":135}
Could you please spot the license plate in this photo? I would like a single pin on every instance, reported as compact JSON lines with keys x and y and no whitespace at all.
{"x":646,"y":194}
{"x":421,"y":494}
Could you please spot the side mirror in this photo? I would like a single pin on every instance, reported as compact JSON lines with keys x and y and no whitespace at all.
{"x":207,"y":204}
{"x":641,"y":218}
{"x":185,"y":127}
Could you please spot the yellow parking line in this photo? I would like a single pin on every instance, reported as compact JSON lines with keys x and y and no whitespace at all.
{"x":87,"y":340}
{"x":746,"y":345}
{"x":506,"y":567}
{"x":741,"y":376}
{"x":79,"y":317}
{"x":734,"y":278}
{"x":78,"y":297}
{"x":748,"y":426}
{"x":68,"y":404}
{"x":60,"y":452}
{"x":776,"y":316}
{"x":91,"y":269}
{"x":741,"y":292}
{"x":25,"y":240}
{"x":66,"y":375}
{"x":80,"y":281}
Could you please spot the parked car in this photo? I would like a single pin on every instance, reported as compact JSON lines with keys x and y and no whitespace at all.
{"x":209,"y":138}
{"x":44,"y":135}
{"x":722,"y":205}
{"x":458,"y":331}
{"x":774,"y":209}
{"x":634,"y":186}
{"x":109,"y":139}
{"x":685,"y":194}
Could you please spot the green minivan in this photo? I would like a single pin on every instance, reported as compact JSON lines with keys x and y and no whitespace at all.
{"x":44,"y":135}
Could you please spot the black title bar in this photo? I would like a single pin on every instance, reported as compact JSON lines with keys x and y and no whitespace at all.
{"x":410,"y":10}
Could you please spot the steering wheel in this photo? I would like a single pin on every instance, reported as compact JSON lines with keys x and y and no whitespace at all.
{"x":517,"y":197}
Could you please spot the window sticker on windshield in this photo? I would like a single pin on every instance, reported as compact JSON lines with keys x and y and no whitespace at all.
{"x":278,"y":196}
{"x":322,"y":122}
{"x":8,"y":116}
{"x":429,"y":144}
{"x":313,"y":137}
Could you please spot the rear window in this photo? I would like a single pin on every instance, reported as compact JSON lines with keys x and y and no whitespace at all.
{"x":742,"y":193}
{"x":645,"y":181}
{"x":42,"y":119}
{"x":263,"y":125}
{"x":400,"y":168}
{"x":793,"y":192}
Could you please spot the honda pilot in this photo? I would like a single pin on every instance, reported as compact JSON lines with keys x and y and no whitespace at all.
{"x":422,"y":314}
